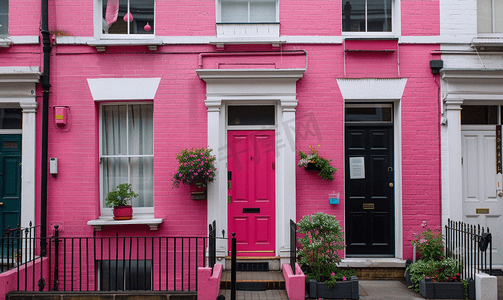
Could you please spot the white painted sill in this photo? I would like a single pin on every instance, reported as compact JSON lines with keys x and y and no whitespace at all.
{"x":101,"y":44}
{"x":136,"y":220}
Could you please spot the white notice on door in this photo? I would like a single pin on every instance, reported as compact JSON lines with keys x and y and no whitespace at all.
{"x":356,"y":167}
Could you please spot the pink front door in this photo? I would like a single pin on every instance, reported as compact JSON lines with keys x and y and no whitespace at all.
{"x":251,"y":204}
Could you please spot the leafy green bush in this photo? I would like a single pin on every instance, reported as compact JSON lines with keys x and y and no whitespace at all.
{"x":429,"y":244}
{"x":320,"y":245}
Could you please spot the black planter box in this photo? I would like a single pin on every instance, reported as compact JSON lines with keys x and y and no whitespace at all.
{"x":446,"y":290}
{"x":311,"y":167}
{"x":407,"y":273}
{"x":342,"y":290}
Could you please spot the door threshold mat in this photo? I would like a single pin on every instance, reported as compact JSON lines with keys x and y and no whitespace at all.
{"x":251,"y":286}
{"x":252,"y":266}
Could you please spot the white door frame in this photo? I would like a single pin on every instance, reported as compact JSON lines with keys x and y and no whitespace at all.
{"x":248,"y":86}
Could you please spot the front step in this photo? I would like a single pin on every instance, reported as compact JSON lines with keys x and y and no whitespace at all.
{"x":251,"y":263}
{"x":254,"y":281}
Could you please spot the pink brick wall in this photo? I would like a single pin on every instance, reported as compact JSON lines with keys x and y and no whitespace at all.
{"x":197,"y":18}
{"x":180,"y":101}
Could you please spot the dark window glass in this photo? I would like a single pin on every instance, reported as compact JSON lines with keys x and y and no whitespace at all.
{"x":117,"y":21}
{"x":129,"y":275}
{"x":369,"y":114}
{"x":251,"y":115}
{"x":479,"y":114}
{"x":11,"y":118}
{"x":4,"y":17}
{"x":366,"y":15}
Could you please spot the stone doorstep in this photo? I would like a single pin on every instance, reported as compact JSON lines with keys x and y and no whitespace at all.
{"x":375,"y":268}
{"x":271,"y":280}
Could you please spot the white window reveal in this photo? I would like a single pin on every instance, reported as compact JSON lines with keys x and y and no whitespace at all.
{"x":247,"y":18}
{"x":367,"y":15}
{"x":127,"y":152}
{"x":4,"y":18}
{"x":128,"y":17}
{"x":490,"y":16}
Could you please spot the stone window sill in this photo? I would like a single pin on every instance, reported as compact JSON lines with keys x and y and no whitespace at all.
{"x":109,"y":221}
{"x":101,"y":44}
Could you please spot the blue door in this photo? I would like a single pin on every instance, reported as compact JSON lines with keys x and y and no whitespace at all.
{"x":10,"y":186}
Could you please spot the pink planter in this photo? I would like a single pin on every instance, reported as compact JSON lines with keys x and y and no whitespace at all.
{"x":123,"y":212}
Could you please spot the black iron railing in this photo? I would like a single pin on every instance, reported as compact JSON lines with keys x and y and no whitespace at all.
{"x":17,"y":247}
{"x":212,"y":245}
{"x":468,"y":244}
{"x":293,"y":244}
{"x":117,"y":263}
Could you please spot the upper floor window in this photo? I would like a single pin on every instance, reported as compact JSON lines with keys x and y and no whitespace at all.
{"x":4,"y":17}
{"x":128,"y":17}
{"x":248,"y":11}
{"x":490,"y":16}
{"x":127,"y":151}
{"x":367,"y":15}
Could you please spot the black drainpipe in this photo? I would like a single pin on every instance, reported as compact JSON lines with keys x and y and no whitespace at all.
{"x":45,"y":124}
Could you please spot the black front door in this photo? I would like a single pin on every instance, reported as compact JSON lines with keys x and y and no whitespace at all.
{"x":369,"y":190}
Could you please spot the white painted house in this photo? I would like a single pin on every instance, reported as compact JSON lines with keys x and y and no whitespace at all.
{"x":472,"y":108}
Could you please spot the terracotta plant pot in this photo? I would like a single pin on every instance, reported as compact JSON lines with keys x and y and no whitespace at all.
{"x":123,"y":212}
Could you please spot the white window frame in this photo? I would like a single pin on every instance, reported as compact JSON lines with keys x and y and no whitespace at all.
{"x":493,"y":23}
{"x":106,"y":211}
{"x":395,"y":24}
{"x":98,"y":26}
{"x":219,"y":14}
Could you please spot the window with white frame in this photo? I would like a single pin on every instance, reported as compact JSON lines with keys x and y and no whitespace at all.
{"x":367,"y":15}
{"x":4,"y":17}
{"x":127,"y":17}
{"x":490,"y":16}
{"x":248,"y":11}
{"x":127,"y":151}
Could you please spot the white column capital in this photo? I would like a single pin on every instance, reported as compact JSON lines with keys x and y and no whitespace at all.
{"x":29,"y":107}
{"x":213,"y":104}
{"x":453,"y":103}
{"x":289,"y":105}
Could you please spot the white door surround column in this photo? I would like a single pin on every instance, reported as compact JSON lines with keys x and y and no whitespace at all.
{"x":17,"y":89}
{"x":253,"y":87}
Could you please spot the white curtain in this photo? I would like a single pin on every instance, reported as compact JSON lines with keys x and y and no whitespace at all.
{"x":127,"y":147}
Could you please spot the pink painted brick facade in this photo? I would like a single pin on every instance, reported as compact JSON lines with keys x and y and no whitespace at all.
{"x":181,"y":116}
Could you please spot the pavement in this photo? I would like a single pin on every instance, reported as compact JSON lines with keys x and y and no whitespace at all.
{"x":369,"y":290}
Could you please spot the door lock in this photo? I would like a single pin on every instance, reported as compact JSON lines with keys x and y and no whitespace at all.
{"x":391,"y":184}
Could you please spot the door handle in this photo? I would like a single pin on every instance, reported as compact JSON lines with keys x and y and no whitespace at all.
{"x":391,"y":184}
{"x":1,"y":203}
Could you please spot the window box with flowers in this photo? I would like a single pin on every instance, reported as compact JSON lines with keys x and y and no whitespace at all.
{"x":196,"y":168}
{"x":314,"y":161}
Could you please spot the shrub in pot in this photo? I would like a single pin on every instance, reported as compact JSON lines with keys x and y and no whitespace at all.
{"x":119,"y":198}
{"x":319,"y":255}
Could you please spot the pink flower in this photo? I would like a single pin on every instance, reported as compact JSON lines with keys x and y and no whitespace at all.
{"x":344,"y":278}
{"x":179,"y":175}
{"x":333,"y":274}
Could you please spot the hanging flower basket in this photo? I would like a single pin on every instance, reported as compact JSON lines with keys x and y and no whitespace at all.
{"x":196,"y":168}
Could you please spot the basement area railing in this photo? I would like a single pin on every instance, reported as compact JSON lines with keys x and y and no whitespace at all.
{"x":471,"y":245}
{"x":18,"y":247}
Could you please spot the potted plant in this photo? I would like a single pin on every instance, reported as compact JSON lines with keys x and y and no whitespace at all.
{"x":433,"y":275}
{"x":196,"y":168}
{"x":319,"y":255}
{"x":314,"y":161}
{"x":119,"y":198}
